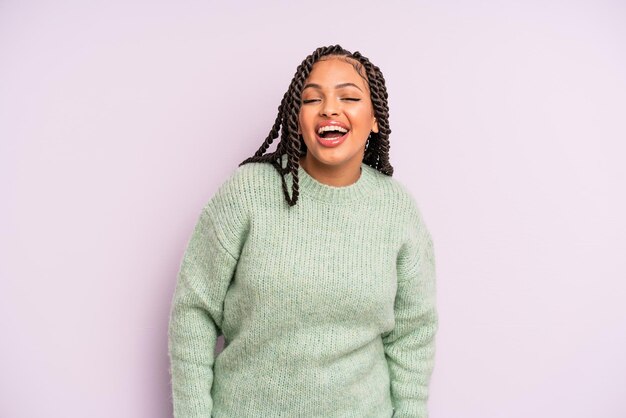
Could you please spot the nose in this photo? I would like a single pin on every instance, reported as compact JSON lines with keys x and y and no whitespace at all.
{"x":329,"y":107}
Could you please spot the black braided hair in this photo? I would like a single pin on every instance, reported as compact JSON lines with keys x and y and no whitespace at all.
{"x":291,"y":143}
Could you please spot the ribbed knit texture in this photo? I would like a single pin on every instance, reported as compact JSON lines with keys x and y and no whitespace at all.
{"x":327,"y":308}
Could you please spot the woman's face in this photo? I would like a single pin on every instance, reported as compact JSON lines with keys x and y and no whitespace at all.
{"x":335,"y":93}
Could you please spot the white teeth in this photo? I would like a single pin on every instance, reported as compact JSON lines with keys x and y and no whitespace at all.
{"x":331,"y":128}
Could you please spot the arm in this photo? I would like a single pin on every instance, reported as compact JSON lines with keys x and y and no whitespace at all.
{"x":410,"y":346}
{"x":205,"y":273}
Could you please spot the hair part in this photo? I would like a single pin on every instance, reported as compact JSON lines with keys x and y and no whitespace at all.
{"x":287,"y":122}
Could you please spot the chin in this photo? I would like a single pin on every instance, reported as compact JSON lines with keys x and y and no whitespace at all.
{"x":333,"y":157}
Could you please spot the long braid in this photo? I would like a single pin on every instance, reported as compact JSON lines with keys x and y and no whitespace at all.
{"x":378,"y":149}
{"x":287,"y":121}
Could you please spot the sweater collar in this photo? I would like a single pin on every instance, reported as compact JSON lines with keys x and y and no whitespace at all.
{"x":361,"y":189}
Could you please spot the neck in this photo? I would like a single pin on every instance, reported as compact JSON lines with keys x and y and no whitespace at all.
{"x":338,"y":176}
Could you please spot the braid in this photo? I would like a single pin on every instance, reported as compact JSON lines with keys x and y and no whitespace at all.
{"x":292,"y":144}
{"x":377,"y":153}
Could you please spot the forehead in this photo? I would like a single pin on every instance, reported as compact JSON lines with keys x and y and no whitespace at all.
{"x":334,"y":70}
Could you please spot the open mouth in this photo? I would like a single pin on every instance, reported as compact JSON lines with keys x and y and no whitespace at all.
{"x":331,"y":139}
{"x":332,"y":132}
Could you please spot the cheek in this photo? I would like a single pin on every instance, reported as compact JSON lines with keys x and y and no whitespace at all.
{"x":305,"y":121}
{"x":360,"y":117}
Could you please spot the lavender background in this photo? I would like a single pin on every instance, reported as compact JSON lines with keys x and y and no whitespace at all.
{"x":119,"y":119}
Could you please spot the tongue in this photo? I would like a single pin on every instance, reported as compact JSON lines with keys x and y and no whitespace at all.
{"x":332,"y":134}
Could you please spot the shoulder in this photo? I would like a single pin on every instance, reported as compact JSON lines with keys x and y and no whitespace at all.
{"x":229,"y":210}
{"x":396,"y":192}
{"x":243,"y":185}
{"x":405,"y":207}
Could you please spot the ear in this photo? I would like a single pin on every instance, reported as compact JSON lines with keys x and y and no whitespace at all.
{"x":375,"y":126}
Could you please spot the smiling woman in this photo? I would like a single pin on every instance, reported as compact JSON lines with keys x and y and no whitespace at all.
{"x":326,"y":298}
{"x":332,"y":86}
{"x":335,"y":114}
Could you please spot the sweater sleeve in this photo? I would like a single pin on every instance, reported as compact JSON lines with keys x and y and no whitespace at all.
{"x":205,"y":272}
{"x":410,"y":346}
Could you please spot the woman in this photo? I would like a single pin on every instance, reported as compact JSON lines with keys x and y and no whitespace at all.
{"x":325,"y":296}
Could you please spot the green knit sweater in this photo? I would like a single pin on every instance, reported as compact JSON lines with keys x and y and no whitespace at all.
{"x":327,"y":308}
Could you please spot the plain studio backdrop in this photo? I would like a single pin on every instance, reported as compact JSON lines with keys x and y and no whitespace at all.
{"x":119,"y":119}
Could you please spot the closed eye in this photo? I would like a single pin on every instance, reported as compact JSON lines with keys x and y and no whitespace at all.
{"x":316,"y":100}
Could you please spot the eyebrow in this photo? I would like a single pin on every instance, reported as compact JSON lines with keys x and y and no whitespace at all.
{"x":338,"y":86}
